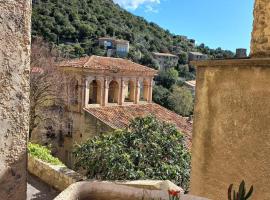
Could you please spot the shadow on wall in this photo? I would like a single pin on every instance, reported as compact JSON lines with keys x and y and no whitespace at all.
{"x":37,"y":190}
{"x":11,"y":179}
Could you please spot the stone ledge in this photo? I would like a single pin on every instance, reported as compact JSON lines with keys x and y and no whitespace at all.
{"x":59,"y":177}
{"x":254,"y":62}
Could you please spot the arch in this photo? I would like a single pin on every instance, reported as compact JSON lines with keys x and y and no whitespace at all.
{"x":113,"y":94}
{"x":144,"y":90}
{"x":130,"y":91}
{"x":94,"y":92}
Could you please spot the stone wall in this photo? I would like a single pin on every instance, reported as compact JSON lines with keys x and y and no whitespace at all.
{"x":231,"y":140}
{"x":59,"y":177}
{"x":15,"y":22}
{"x":260,"y":44}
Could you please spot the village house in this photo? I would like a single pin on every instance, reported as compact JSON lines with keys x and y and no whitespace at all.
{"x":104,"y":94}
{"x":166,"y":60}
{"x":114,"y":47}
{"x":191,"y":85}
{"x":195,"y":56}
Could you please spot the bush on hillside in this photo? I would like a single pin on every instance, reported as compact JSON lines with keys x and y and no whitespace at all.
{"x":149,"y":149}
{"x":181,"y":101}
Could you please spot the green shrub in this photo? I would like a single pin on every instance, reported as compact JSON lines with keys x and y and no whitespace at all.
{"x":42,"y":153}
{"x":149,"y":149}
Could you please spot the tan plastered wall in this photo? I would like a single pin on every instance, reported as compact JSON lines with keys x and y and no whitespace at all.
{"x":231,"y":138}
{"x":15,"y":22}
{"x":59,"y":177}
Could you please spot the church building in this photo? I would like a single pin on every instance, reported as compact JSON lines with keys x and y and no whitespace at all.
{"x":105,"y":94}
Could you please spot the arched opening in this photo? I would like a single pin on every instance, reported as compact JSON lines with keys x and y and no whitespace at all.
{"x":144,"y":90}
{"x":94,"y":92}
{"x":130,"y":92}
{"x":113,"y":96}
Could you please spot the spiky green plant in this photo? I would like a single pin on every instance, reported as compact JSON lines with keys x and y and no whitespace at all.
{"x":241,"y":194}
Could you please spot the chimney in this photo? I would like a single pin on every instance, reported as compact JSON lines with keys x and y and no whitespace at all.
{"x":260,"y":42}
{"x":241,"y":53}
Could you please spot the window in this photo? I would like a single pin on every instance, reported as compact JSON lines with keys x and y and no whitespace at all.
{"x":69,"y":128}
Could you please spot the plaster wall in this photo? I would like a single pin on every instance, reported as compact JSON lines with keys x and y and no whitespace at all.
{"x":15,"y":22}
{"x":231,"y":140}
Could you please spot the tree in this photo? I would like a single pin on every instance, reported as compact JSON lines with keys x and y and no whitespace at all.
{"x":167,"y":78}
{"x":148,"y":149}
{"x":45,"y":81}
{"x":181,"y":101}
{"x":160,"y":95}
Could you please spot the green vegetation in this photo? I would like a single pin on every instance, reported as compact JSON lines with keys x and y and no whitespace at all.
{"x":149,"y":149}
{"x":241,"y":194}
{"x":170,"y":93}
{"x":181,"y":101}
{"x":75,"y":25}
{"x":42,"y":153}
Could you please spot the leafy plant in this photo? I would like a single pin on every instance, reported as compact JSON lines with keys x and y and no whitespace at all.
{"x":149,"y":149}
{"x":241,"y":194}
{"x":42,"y":153}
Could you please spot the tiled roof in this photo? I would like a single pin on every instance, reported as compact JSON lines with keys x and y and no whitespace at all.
{"x":119,"y":117}
{"x":98,"y":63}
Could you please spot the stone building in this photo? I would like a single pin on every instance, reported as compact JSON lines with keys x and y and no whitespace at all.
{"x":166,"y":60}
{"x":194,"y":56}
{"x":191,"y":85}
{"x":104,"y":94}
{"x":114,"y":47}
{"x":15,"y":28}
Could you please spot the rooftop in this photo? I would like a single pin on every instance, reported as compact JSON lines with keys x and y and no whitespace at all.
{"x":119,"y":117}
{"x":101,"y":64}
{"x":196,"y":53}
{"x":164,"y":54}
{"x":191,"y":83}
{"x":114,"y":39}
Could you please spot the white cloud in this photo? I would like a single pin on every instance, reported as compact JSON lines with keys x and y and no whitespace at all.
{"x":134,"y":4}
{"x":149,"y":8}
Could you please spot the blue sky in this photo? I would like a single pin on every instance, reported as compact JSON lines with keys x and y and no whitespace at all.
{"x":217,"y":23}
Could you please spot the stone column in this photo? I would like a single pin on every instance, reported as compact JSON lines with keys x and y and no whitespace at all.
{"x":15,"y":35}
{"x":260,"y":43}
{"x":105,"y":91}
{"x":86,"y":93}
{"x":137,"y":91}
{"x":122,"y":92}
{"x":150,"y":91}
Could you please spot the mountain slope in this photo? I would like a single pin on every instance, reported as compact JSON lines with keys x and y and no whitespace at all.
{"x":75,"y":25}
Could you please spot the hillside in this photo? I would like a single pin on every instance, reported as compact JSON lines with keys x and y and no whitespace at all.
{"x":75,"y":25}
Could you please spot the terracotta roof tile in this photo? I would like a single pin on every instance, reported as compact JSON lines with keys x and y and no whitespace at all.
{"x":99,"y":63}
{"x":119,"y":117}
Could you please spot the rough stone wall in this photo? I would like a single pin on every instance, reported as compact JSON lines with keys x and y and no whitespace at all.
{"x":59,"y":177}
{"x":15,"y":17}
{"x":260,"y":43}
{"x":231,"y":140}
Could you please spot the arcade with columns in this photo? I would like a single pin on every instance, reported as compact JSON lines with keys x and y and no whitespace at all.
{"x":106,"y":91}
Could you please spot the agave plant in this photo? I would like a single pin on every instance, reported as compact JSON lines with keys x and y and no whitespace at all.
{"x":241,"y":194}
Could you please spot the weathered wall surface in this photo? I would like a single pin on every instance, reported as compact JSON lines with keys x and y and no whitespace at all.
{"x":15,"y":23}
{"x":231,"y":139}
{"x":59,"y":177}
{"x":260,"y":44}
